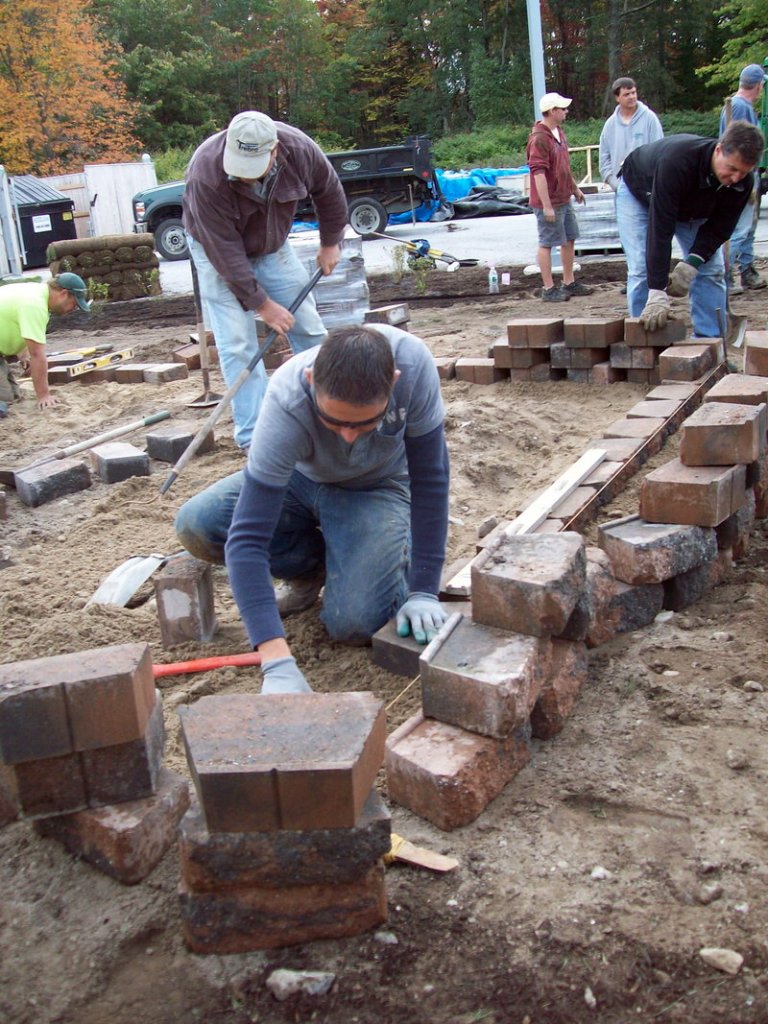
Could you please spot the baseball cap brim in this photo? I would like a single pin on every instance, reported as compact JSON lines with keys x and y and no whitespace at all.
{"x":252,"y":166}
{"x":81,"y":300}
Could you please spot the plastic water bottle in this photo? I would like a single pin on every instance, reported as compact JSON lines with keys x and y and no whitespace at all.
{"x":493,"y":281}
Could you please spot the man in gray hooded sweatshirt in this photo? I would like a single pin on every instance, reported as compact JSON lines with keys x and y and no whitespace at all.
{"x":632,"y":124}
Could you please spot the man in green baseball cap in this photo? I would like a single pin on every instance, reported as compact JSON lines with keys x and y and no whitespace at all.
{"x":25,"y":308}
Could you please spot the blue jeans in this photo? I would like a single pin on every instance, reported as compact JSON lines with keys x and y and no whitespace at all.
{"x":361,"y":538}
{"x":707,"y":294}
{"x":742,"y":247}
{"x":282,"y":275}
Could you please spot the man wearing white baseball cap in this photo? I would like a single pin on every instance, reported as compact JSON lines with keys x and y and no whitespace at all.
{"x":243,"y":187}
{"x":552,"y":185}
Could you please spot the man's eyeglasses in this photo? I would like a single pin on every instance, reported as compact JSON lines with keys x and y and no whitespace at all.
{"x":349,"y":424}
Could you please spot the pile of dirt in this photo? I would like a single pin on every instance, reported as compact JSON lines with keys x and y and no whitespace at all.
{"x":584,"y":892}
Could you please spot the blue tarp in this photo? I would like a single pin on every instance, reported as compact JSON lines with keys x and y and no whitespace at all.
{"x":454,"y":185}
{"x":458,"y":184}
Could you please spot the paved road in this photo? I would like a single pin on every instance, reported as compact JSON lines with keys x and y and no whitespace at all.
{"x":506,"y":241}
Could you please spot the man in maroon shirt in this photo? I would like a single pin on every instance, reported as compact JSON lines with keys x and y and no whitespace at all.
{"x":552,"y":185}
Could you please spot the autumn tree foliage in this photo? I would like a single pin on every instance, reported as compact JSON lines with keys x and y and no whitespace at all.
{"x":61,"y":101}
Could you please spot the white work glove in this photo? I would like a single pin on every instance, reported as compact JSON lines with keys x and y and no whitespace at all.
{"x":283,"y":676}
{"x":681,"y":279}
{"x":656,"y":312}
{"x":422,"y":615}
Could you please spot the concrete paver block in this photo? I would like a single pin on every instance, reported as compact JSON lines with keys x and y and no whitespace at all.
{"x":537,"y":332}
{"x":518,"y":358}
{"x":258,"y":767}
{"x":448,"y":775}
{"x":692,"y":495}
{"x":400,"y":654}
{"x":163,"y":373}
{"x":40,"y":484}
{"x":185,"y":605}
{"x":126,"y":841}
{"x":721,"y":434}
{"x":54,"y":785}
{"x":605,"y":373}
{"x":739,"y":389}
{"x":72,"y":702}
{"x":643,"y":552}
{"x":479,"y":370}
{"x":636,"y":334}
{"x":593,"y":332}
{"x":756,"y":353}
{"x":396,"y":314}
{"x":609,"y":606}
{"x":446,"y":367}
{"x":168,"y":443}
{"x":242,"y":920}
{"x":119,"y":460}
{"x":126,"y":771}
{"x":529,"y":583}
{"x":685,"y":362}
{"x":482,"y":679}
{"x":9,"y":796}
{"x":568,"y":671}
{"x":218,"y":861}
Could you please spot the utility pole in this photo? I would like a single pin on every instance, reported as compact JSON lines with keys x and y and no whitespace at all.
{"x":536,"y":46}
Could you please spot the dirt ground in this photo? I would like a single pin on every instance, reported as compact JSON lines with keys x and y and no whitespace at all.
{"x":584,"y":891}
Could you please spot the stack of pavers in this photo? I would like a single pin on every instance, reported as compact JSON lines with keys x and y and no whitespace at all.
{"x":342,"y":297}
{"x":540,"y":601}
{"x":596,"y":350}
{"x":81,"y":751}
{"x":284,"y":843}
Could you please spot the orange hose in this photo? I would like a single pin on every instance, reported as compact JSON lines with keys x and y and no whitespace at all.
{"x":206,"y":664}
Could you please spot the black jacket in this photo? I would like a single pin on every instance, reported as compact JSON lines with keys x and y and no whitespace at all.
{"x":673,"y":178}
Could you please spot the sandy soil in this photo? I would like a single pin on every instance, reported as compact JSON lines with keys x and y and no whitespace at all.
{"x":658,"y":779}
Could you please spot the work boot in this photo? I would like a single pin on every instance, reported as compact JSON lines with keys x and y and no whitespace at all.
{"x":734,"y":287}
{"x":554,"y":294}
{"x":576,"y":288}
{"x":751,"y":279}
{"x":298,"y":594}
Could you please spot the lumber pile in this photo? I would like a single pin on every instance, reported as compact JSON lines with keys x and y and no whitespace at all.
{"x":115,"y":267}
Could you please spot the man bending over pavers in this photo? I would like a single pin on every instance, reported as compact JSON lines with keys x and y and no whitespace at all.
{"x":692,"y":188}
{"x":25,"y":308}
{"x":345,"y":488}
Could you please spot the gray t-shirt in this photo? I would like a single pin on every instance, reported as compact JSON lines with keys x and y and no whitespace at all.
{"x":288,"y":434}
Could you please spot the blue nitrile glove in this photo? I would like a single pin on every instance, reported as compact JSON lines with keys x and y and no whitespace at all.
{"x":283,"y":676}
{"x":422,"y":615}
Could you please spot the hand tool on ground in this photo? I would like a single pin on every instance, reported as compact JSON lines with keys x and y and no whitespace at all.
{"x":178,"y":668}
{"x":421,"y":247}
{"x":108,"y":359}
{"x":122,"y":583}
{"x":403,"y":850}
{"x":82,"y":353}
{"x":7,"y":476}
{"x":230,"y":393}
{"x":208,"y":397}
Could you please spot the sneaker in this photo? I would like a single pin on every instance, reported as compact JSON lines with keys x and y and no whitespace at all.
{"x":576,"y":288}
{"x":554,"y":294}
{"x":751,"y":279}
{"x":298,"y":594}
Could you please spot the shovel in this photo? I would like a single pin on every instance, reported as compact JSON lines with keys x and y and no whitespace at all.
{"x":226,"y":399}
{"x":208,"y":397}
{"x":122,"y":583}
